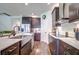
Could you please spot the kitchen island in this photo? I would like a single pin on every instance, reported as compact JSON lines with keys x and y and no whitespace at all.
{"x":9,"y":46}
{"x":25,"y":38}
{"x":63,"y":45}
{"x":25,"y":44}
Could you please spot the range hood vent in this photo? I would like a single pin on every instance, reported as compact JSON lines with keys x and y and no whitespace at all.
{"x":65,"y":11}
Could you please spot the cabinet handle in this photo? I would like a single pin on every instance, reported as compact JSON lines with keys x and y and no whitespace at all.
{"x":12,"y":49}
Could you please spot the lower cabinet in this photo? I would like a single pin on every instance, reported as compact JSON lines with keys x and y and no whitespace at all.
{"x":69,"y":50}
{"x":37,"y":36}
{"x":58,"y":47}
{"x":16,"y":49}
{"x":52,"y":45}
{"x":26,"y":49}
{"x":12,"y":50}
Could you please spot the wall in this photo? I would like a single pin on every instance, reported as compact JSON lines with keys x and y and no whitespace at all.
{"x":46,"y":26}
{"x":15,"y":21}
{"x":5,"y":23}
{"x":68,"y":27}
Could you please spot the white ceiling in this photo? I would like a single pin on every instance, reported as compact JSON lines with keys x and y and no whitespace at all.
{"x":25,"y":10}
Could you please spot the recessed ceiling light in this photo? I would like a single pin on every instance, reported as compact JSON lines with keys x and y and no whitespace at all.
{"x":26,"y":4}
{"x":48,"y":3}
{"x":32,"y":14}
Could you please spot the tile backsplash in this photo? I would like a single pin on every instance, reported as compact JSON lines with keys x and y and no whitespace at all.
{"x":69,"y":27}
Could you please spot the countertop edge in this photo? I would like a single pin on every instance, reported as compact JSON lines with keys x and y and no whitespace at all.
{"x":76,"y":45}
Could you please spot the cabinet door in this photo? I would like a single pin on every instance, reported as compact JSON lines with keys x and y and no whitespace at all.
{"x":61,"y":48}
{"x":56,"y":46}
{"x":69,"y":50}
{"x":56,"y":13}
{"x":36,"y":23}
{"x":73,"y":12}
{"x":12,"y":50}
{"x":52,"y":45}
{"x":26,"y":49}
{"x":37,"y":37}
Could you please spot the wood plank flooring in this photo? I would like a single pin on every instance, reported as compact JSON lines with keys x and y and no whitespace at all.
{"x":40,"y":48}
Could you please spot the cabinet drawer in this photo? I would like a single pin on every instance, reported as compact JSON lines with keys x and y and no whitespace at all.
{"x":11,"y":50}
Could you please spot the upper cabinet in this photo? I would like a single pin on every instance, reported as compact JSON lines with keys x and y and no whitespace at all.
{"x":36,"y":23}
{"x":73,"y":12}
{"x":33,"y":21}
{"x":26,"y":20}
{"x":56,"y":13}
{"x":69,"y":11}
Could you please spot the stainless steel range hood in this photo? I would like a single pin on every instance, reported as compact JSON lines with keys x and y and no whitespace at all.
{"x":64,"y":11}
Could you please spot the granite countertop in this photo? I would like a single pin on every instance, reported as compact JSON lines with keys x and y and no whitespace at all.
{"x":4,"y":43}
{"x":69,"y":40}
{"x":24,"y":34}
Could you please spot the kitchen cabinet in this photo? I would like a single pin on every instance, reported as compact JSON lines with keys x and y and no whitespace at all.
{"x":55,"y":46}
{"x":26,"y":23}
{"x":56,"y":13}
{"x":73,"y":12}
{"x":36,"y":22}
{"x":12,"y":50}
{"x":52,"y":45}
{"x":69,"y":50}
{"x":58,"y":47}
{"x":55,"y":17}
{"x":26,"y":49}
{"x":69,"y":11}
{"x":37,"y":36}
{"x":26,"y":20}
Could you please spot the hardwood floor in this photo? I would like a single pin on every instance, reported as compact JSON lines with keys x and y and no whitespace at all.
{"x":40,"y":48}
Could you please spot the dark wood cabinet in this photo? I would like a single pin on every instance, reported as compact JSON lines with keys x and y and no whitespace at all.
{"x":26,"y":20}
{"x":52,"y":47}
{"x":55,"y":46}
{"x":37,"y":36}
{"x":26,"y":49}
{"x":58,"y":47}
{"x":12,"y":50}
{"x":36,"y":23}
{"x":56,"y":13}
{"x":69,"y":50}
{"x":73,"y":12}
